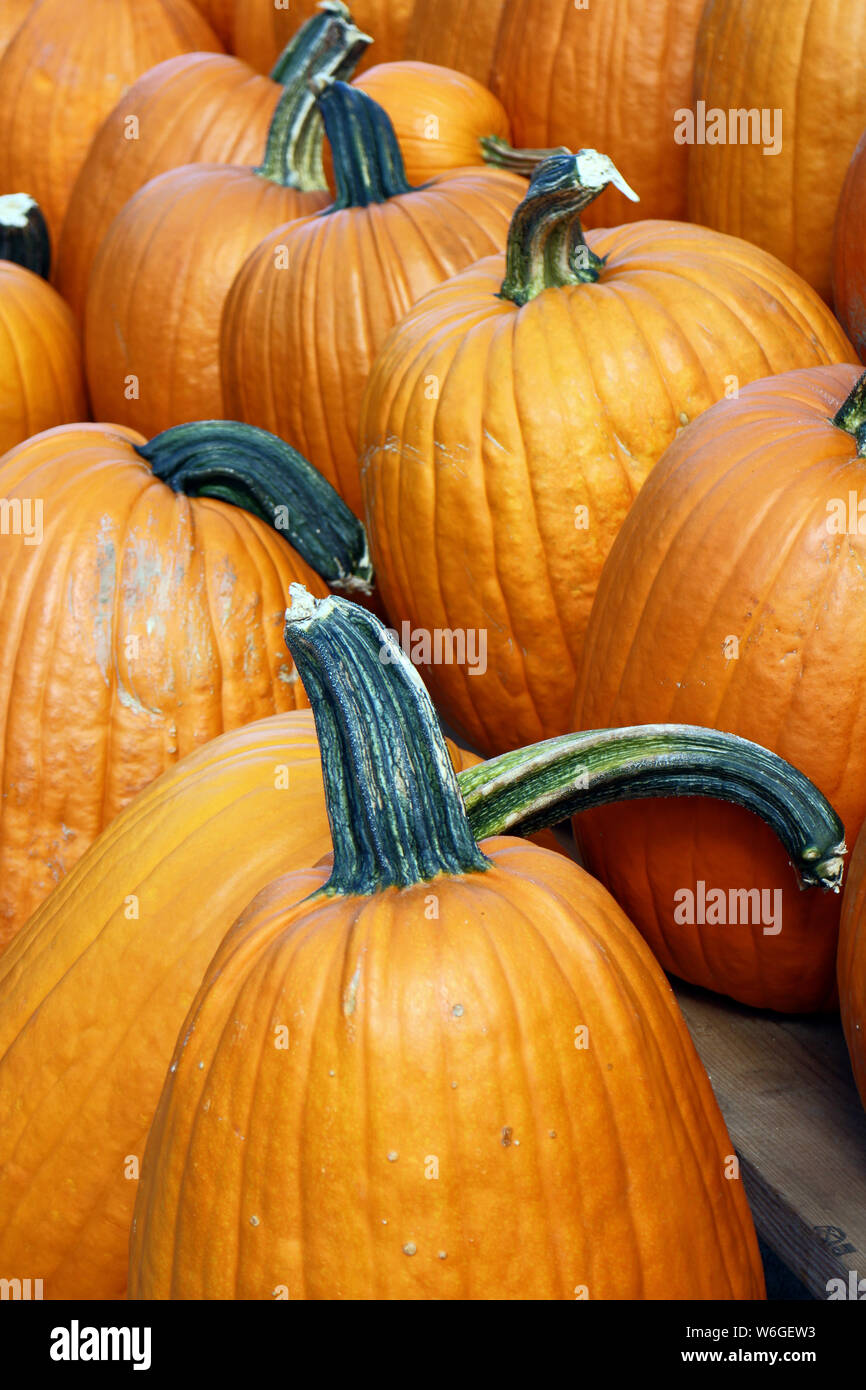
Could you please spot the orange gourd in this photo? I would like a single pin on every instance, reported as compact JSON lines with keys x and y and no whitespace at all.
{"x":734,"y":598}
{"x":140,"y":610}
{"x":796,"y":65}
{"x":159,"y":281}
{"x":261,"y":29}
{"x":504,"y":436}
{"x":41,"y":372}
{"x":315,"y":301}
{"x":609,"y":75}
{"x":85,"y":56}
{"x":424,"y":1004}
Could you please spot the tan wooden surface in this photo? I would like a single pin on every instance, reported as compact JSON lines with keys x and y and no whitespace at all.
{"x":793,"y":1112}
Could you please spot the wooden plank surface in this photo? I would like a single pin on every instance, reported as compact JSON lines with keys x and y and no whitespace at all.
{"x":793,"y":1112}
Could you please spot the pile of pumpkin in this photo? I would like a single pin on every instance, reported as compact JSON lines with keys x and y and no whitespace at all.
{"x":297,"y":999}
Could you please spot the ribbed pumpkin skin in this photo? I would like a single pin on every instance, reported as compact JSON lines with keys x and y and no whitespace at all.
{"x":728,"y":539}
{"x":158,"y":285}
{"x":801,"y":57}
{"x":298,"y":343}
{"x":609,"y":77}
{"x":85,"y":55}
{"x":261,"y":31}
{"x":849,"y":260}
{"x":415,"y":95}
{"x":220,"y":15}
{"x":41,"y":371}
{"x":266,"y":1165}
{"x":116,"y":988}
{"x":13,"y":13}
{"x":851,"y":964}
{"x":144,"y":624}
{"x":199,"y":108}
{"x":568,"y":402}
{"x":460,"y":34}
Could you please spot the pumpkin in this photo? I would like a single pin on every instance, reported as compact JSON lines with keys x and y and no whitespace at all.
{"x":851,"y":964}
{"x":733,"y":598}
{"x":262,"y":29}
{"x":439,"y":115}
{"x":220,"y":15}
{"x":85,"y":57}
{"x":504,"y":436}
{"x":849,"y":264}
{"x":132,"y":912}
{"x":795,"y":64}
{"x":114,"y":958}
{"x":13,"y":13}
{"x":460,"y":34}
{"x":161,"y":275}
{"x":421,"y":1011}
{"x":611,"y":75}
{"x":41,"y":373}
{"x":141,"y":617}
{"x":315,"y":301}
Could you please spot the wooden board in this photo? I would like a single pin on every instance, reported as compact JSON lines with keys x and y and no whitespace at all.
{"x":786,"y":1091}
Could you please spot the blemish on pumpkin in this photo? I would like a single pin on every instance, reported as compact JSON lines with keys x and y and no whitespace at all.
{"x":254,"y":1221}
{"x":443,"y":1255}
{"x":351,"y":995}
{"x":552,"y":1133}
{"x":393,"y":1156}
{"x":457,"y":1011}
{"x":684,"y":419}
{"x":409,"y":1249}
{"x":507,"y":1132}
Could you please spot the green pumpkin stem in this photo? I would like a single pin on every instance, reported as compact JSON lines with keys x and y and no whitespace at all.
{"x":546,"y":246}
{"x":851,"y":415}
{"x":328,"y":45}
{"x":539,"y":786}
{"x":24,"y":235}
{"x":499,"y":154}
{"x":368,"y":165}
{"x":394,"y":806}
{"x":260,"y":473}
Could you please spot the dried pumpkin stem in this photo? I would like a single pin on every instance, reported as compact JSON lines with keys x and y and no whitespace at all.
{"x":851,"y":415}
{"x":328,"y":45}
{"x":499,"y":154}
{"x":255,"y":470}
{"x":24,"y":236}
{"x":394,"y":805}
{"x":368,"y":165}
{"x":538,"y":786}
{"x":546,"y":246}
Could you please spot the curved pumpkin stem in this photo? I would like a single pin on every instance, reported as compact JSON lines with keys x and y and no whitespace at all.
{"x":255,"y":470}
{"x":394,"y":806}
{"x":851,"y":415}
{"x":328,"y":45}
{"x":24,"y":235}
{"x":368,"y":165}
{"x":538,"y":786}
{"x":499,"y":154}
{"x":546,"y":246}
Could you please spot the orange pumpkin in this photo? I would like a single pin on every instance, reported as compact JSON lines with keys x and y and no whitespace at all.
{"x":159,"y":281}
{"x":139,"y":617}
{"x":851,"y":964}
{"x":220,"y":15}
{"x":461,"y":34}
{"x":504,"y":436}
{"x":734,"y":598}
{"x":85,"y":57}
{"x":41,"y":373}
{"x":439,"y":115}
{"x":418,"y":1017}
{"x":12,"y":15}
{"x":262,"y":29}
{"x":849,"y":263}
{"x":611,"y":75}
{"x":315,"y":301}
{"x":796,"y":66}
